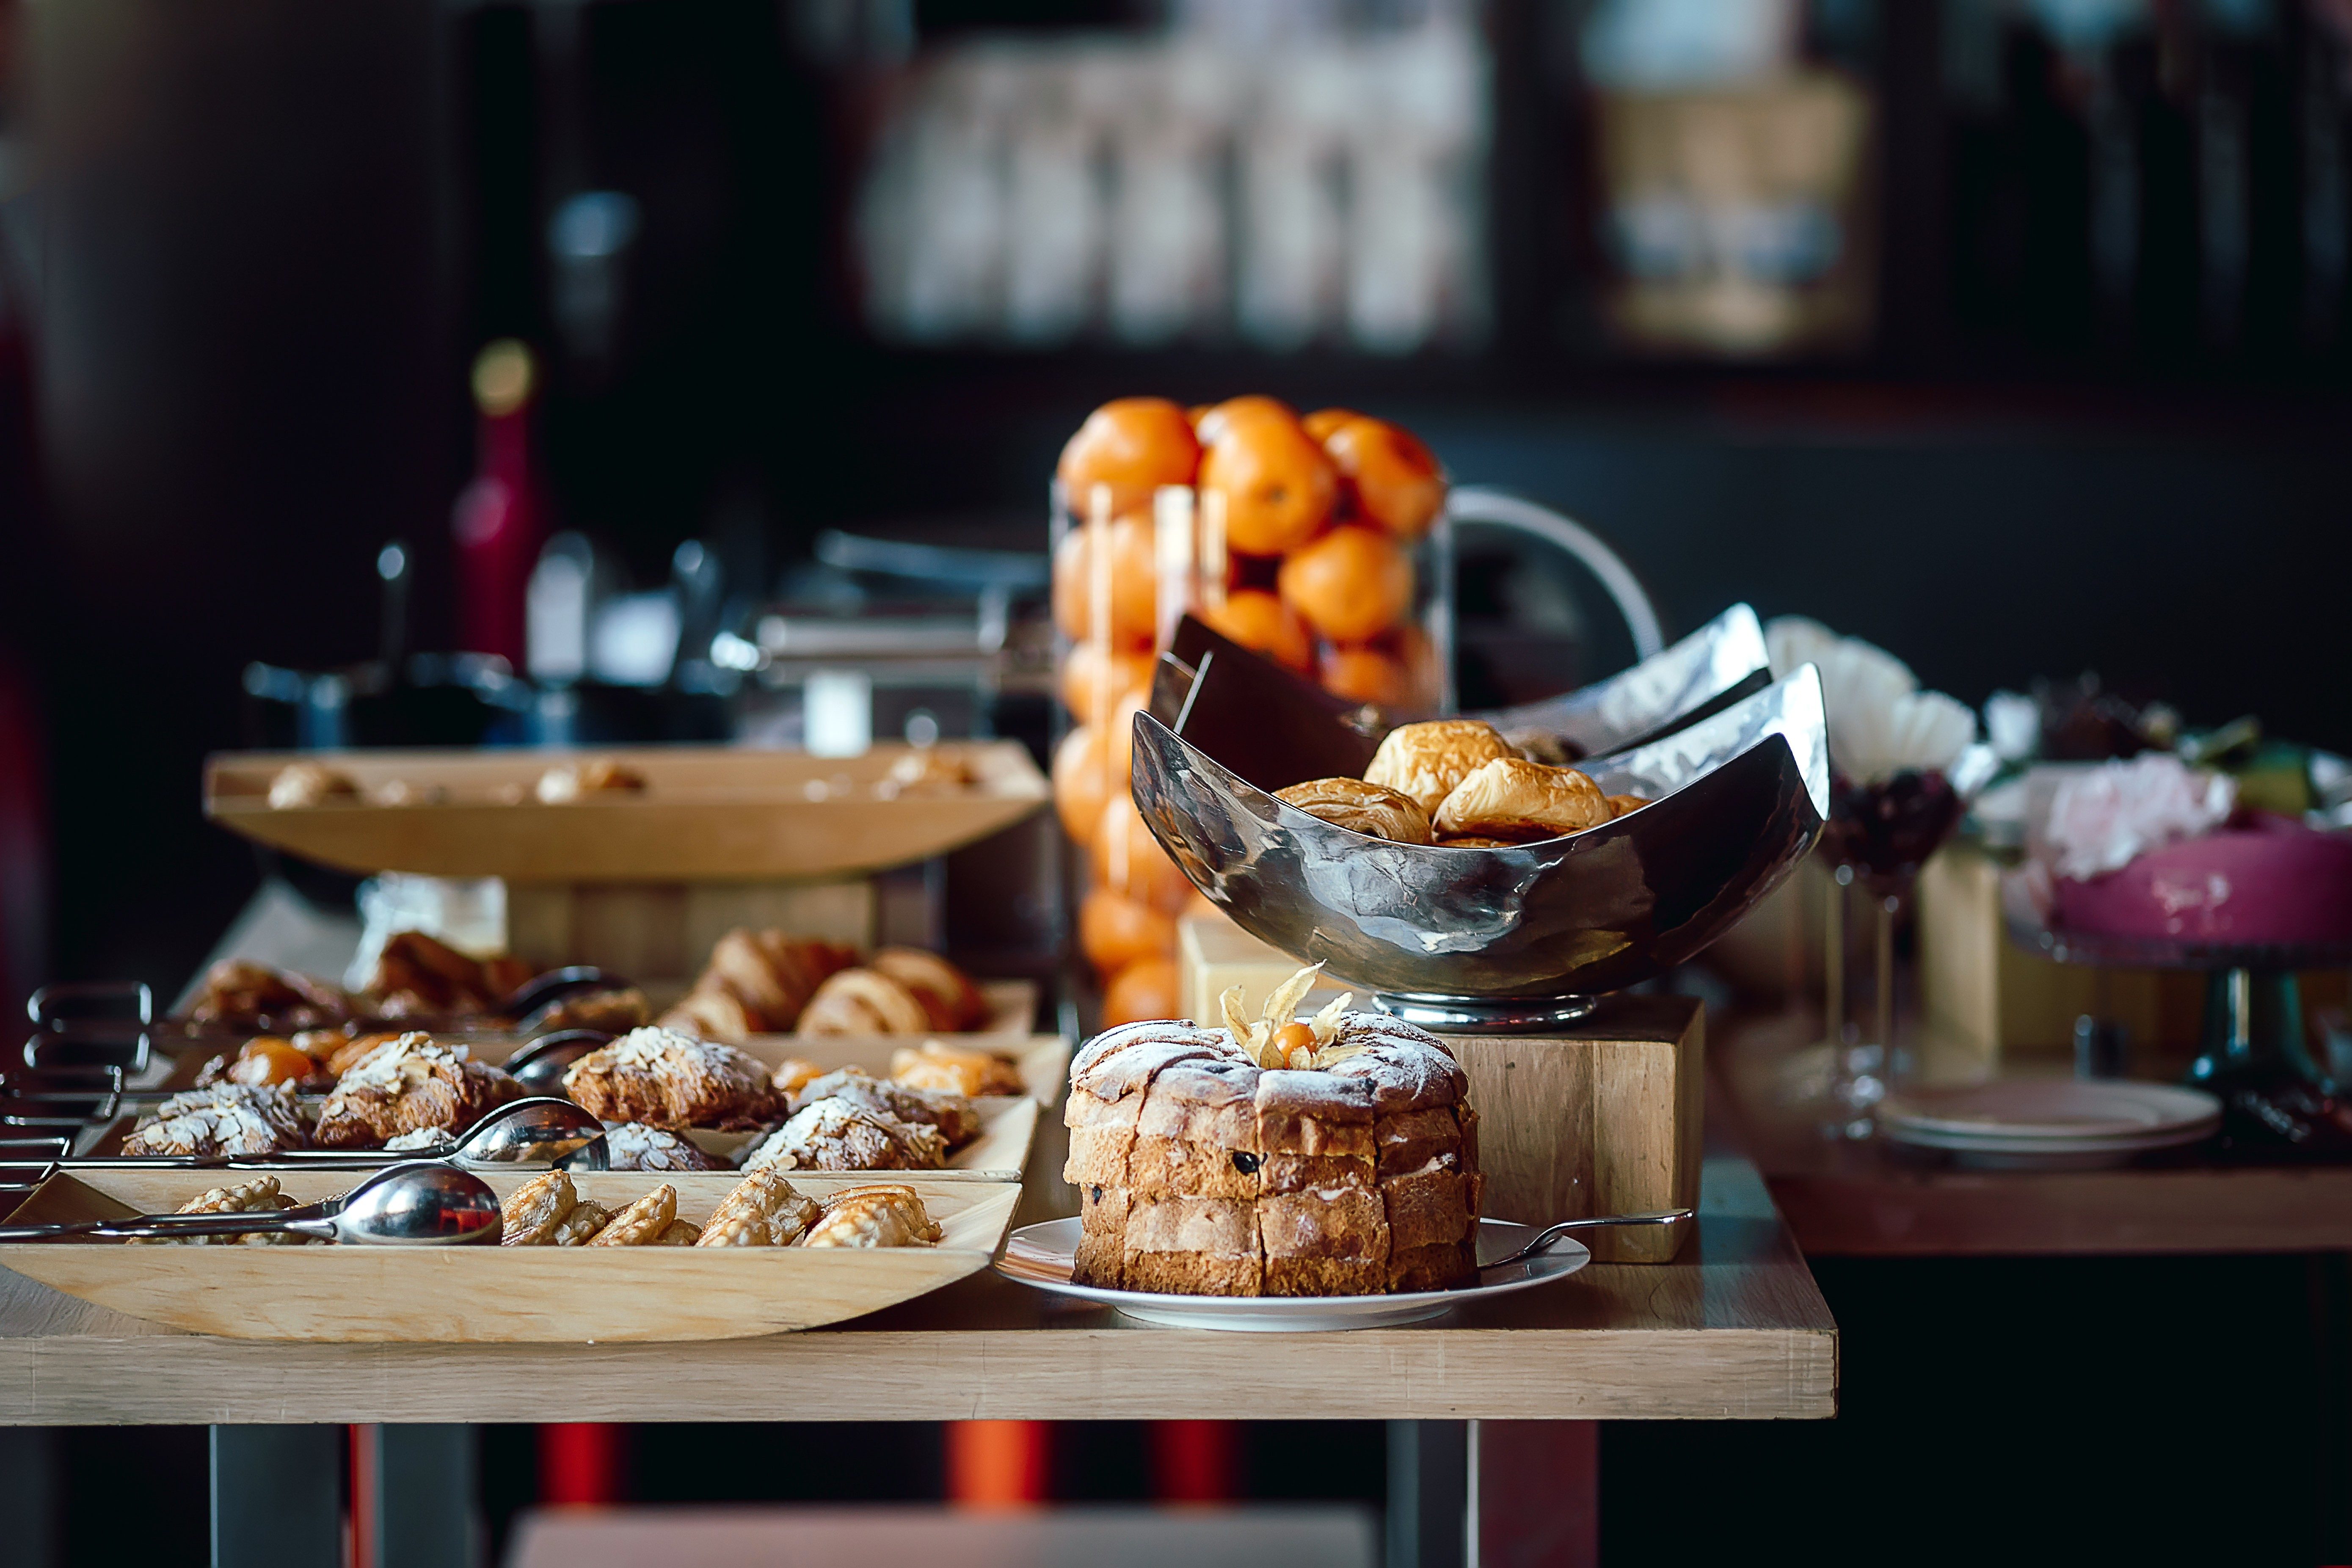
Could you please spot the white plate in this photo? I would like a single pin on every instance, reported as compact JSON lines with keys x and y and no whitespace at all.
{"x":1041,"y":1255}
{"x":2068,"y":1110}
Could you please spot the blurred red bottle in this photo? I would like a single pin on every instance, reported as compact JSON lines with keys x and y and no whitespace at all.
{"x":500,"y":519}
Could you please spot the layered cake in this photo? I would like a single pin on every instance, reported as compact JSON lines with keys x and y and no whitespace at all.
{"x":1336,"y":1157}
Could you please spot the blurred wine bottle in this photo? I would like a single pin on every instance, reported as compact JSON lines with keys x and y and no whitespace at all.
{"x":501,"y":515}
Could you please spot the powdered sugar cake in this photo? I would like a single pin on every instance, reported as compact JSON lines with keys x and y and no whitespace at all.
{"x":1203,"y":1173}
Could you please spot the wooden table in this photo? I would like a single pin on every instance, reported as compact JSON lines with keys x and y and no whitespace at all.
{"x":1868,"y":1201}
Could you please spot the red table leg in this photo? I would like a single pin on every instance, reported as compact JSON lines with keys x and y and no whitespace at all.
{"x":580,"y":1464}
{"x":1192,"y":1461}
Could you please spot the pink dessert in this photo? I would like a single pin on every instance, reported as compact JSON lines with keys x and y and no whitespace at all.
{"x":2263,"y":879}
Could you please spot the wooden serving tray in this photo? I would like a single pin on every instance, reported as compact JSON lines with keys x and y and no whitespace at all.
{"x":707,"y":813}
{"x":497,"y":1294}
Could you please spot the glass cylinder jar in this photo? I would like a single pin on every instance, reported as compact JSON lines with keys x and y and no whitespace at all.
{"x":1362,"y":609}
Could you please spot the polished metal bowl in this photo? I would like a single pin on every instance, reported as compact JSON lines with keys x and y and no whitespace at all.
{"x":1523,"y":937}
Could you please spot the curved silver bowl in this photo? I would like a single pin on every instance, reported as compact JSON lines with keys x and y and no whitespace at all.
{"x":1520,"y":937}
{"x":1722,"y":661}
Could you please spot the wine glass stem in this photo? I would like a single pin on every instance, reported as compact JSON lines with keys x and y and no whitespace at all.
{"x":1885,"y":1000}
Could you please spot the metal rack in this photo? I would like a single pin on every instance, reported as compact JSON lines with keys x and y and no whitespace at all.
{"x":88,"y":1043}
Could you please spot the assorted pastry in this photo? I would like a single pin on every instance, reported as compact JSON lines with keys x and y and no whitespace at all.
{"x":665,"y":1079}
{"x":418,"y":980}
{"x":1459,"y":785}
{"x":393,"y":1091}
{"x":771,"y":983}
{"x":763,"y":1210}
{"x":233,"y":1120}
{"x":1331,"y":1156}
{"x":299,"y":785}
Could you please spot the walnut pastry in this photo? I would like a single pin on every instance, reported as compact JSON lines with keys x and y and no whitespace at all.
{"x":259,"y":1195}
{"x":1360,"y":807}
{"x":966,"y":1070}
{"x":409,"y":1083}
{"x":872,"y":1217}
{"x":835,"y":1136}
{"x":764,"y":1210}
{"x":953,"y":1115}
{"x":663,"y":1078}
{"x":1426,"y":761}
{"x":243,"y":1121}
{"x":634,"y":1146}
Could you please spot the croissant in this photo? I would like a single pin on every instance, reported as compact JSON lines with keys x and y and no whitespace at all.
{"x":1360,"y":808}
{"x":1508,"y":798}
{"x":1426,"y":761}
{"x":864,"y":1002}
{"x":953,"y":1002}
{"x":757,"y":983}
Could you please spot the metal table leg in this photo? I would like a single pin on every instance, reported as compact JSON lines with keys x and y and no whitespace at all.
{"x":419,"y":1481}
{"x":1534,"y":1494}
{"x":1428,"y":1474}
{"x":277,"y":1496}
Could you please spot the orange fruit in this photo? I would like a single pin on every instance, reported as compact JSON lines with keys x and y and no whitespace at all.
{"x":1391,"y":477}
{"x":1128,"y":861}
{"x":1263,"y":622}
{"x":1115,"y":930}
{"x":1134,"y":444}
{"x":1351,"y":585}
{"x":1081,"y":782}
{"x":1134,"y":585}
{"x":1121,"y":739}
{"x":1142,"y":991}
{"x":1323,"y":421}
{"x":1365,"y":675}
{"x":265,"y":1060}
{"x":1277,"y":486}
{"x":1212,"y":422}
{"x":1195,"y":413}
{"x":1089,"y":677}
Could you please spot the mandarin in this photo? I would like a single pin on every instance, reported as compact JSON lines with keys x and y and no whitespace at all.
{"x":1140,"y":993}
{"x":1277,"y":486}
{"x":265,"y":1060}
{"x":1212,"y":422}
{"x":1092,"y":679}
{"x":1128,"y":859}
{"x":1134,"y":586}
{"x":1365,"y":675}
{"x":1323,"y":421}
{"x":1121,"y":740}
{"x":1351,"y":585}
{"x":1115,"y":930}
{"x":1261,"y":622}
{"x":1081,"y":782}
{"x":1391,"y":477}
{"x":1134,"y":444}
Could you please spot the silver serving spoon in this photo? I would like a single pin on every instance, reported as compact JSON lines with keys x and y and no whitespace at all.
{"x":538,"y":1132}
{"x":1544,"y":1239}
{"x":426,"y":1203}
{"x":539,"y":1066}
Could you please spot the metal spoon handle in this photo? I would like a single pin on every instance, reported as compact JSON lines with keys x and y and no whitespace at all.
{"x":307,"y":1222}
{"x":1549,"y":1234}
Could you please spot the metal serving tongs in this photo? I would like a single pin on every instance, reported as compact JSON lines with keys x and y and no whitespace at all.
{"x":1542,"y":1240}
{"x":538,"y":1132}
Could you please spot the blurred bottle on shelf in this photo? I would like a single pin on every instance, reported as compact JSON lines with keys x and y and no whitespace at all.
{"x":1285,"y":174}
{"x":501,"y":515}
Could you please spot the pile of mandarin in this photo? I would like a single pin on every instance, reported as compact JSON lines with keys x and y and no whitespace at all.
{"x":1302,"y":533}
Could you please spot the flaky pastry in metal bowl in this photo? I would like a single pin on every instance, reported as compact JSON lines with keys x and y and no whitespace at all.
{"x":1517,"y":937}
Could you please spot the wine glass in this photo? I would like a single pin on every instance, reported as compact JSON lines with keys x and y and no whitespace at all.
{"x":1878,"y":835}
